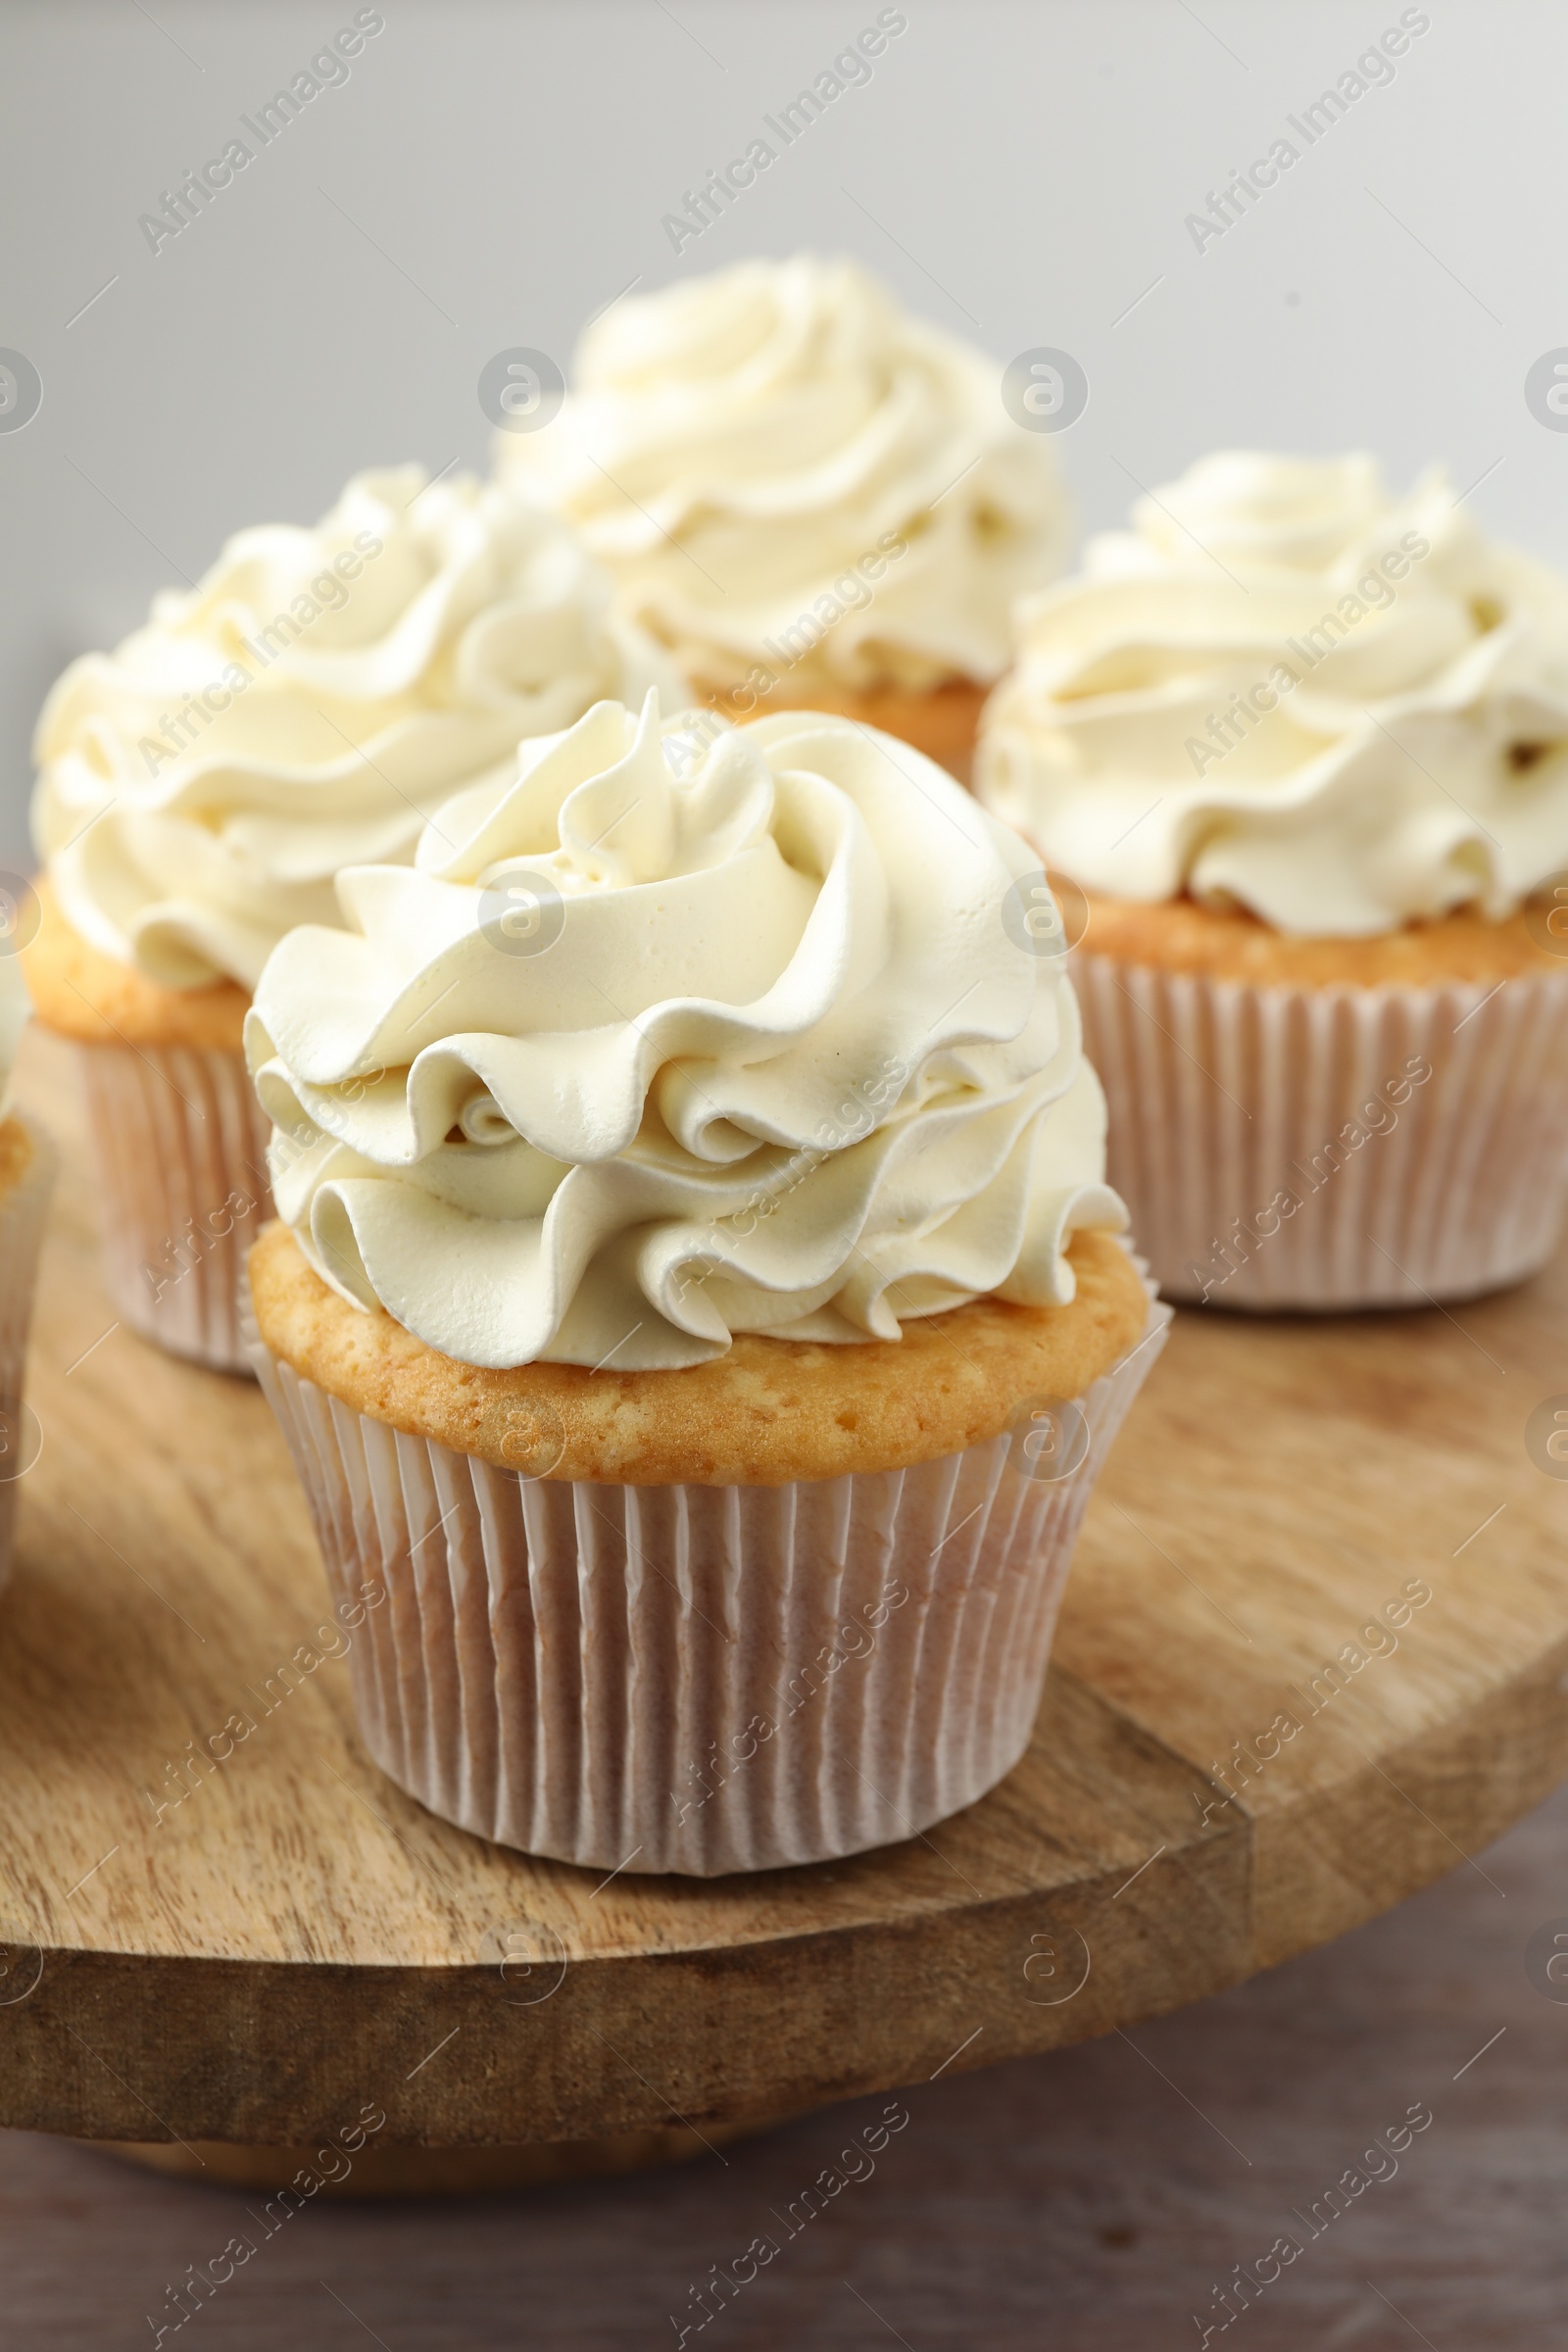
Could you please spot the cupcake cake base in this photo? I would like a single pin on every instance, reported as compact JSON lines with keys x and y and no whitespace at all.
{"x":182,"y":1147}
{"x":705,"y":1674}
{"x":1329,"y":1124}
{"x":179,"y":1137}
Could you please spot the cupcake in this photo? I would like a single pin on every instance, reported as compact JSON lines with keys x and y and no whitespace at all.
{"x":311,"y":703}
{"x":1302,"y":749}
{"x":27,"y":1176}
{"x":697,"y":1298}
{"x":811,"y":498}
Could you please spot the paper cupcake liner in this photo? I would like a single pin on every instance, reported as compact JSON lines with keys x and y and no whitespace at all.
{"x":1229,"y":1101}
{"x":182,"y":1147}
{"x":24,"y":1213}
{"x":696,"y":1679}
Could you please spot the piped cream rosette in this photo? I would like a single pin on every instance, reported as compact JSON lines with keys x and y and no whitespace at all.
{"x":666,"y":1039}
{"x":791,"y":476}
{"x":1285,"y":689}
{"x":309,"y":706}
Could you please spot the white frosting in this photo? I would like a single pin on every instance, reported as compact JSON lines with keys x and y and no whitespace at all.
{"x":780,"y":451}
{"x":770,"y":1061}
{"x":1407,"y":760}
{"x":354,"y":675}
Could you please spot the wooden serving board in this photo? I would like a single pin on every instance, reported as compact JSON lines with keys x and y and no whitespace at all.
{"x":296,"y":1945}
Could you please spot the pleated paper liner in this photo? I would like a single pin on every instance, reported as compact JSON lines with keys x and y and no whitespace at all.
{"x":181,"y":1148}
{"x":1332,"y":1147}
{"x":699,"y":1679}
{"x":24,"y":1211}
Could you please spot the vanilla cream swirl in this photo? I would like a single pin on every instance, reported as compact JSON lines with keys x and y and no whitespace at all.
{"x":667,"y":1038}
{"x":784,"y":469}
{"x":310,"y":705}
{"x":1286,"y":689}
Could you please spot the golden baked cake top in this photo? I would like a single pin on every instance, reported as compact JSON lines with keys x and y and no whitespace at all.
{"x":1178,"y":935}
{"x":767,"y":1412}
{"x":82,"y":992}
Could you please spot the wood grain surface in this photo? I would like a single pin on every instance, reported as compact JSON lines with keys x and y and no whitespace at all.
{"x":295,"y":1942}
{"x":1088,"y":2200}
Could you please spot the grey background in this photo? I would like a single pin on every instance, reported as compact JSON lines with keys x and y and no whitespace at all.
{"x":1020,"y":172}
